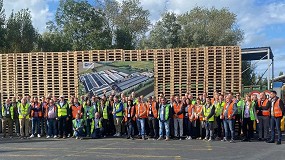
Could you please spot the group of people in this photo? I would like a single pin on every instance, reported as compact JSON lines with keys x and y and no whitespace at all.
{"x":223,"y":117}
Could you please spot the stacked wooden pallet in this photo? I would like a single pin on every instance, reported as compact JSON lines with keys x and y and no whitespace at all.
{"x":176,"y":71}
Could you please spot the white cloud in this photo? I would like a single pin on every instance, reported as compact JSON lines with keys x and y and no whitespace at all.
{"x":39,"y":10}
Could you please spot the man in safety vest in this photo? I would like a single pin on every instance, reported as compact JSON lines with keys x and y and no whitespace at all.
{"x":263,"y":113}
{"x":219,"y":104}
{"x":62,"y":116}
{"x":208,"y":113}
{"x":228,"y":115}
{"x":96,"y":126}
{"x":240,"y":104}
{"x":152,"y":108}
{"x":78,"y":126}
{"x":276,"y":114}
{"x":163,"y":117}
{"x":118,"y":115}
{"x":141,"y":115}
{"x":76,"y":108}
{"x":7,"y":116}
{"x":36,"y":114}
{"x":24,"y":117}
{"x":178,"y":110}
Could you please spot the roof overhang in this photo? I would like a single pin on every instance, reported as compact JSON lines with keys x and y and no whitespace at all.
{"x":251,"y":54}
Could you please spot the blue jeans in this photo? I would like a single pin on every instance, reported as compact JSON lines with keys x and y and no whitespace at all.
{"x":162,"y":126}
{"x":229,"y":125}
{"x":52,"y":127}
{"x":78,"y":133}
{"x":275,"y":123}
{"x":36,"y":124}
{"x":141,"y":126}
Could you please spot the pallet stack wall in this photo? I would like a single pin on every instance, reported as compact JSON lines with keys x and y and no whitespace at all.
{"x":176,"y":71}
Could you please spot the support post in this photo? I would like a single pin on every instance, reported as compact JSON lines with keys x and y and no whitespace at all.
{"x":268,"y":77}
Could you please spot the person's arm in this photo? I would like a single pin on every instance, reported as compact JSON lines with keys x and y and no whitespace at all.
{"x":255,"y":115}
{"x":235,"y":110}
{"x":182,"y":110}
{"x":120,"y":108}
{"x":212,"y":113}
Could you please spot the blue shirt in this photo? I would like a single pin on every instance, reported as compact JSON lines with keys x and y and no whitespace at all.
{"x":162,"y":112}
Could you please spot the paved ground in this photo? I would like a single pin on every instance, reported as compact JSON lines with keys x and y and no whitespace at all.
{"x":120,"y":148}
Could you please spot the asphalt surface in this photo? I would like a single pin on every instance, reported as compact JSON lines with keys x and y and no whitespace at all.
{"x":121,"y":148}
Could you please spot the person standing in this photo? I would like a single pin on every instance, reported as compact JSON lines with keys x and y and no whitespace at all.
{"x":163,"y":117}
{"x":189,"y":109}
{"x":152,"y":108}
{"x":44,"y":127}
{"x":76,"y":108}
{"x":263,"y":113}
{"x":240,"y":104}
{"x":209,"y":117}
{"x":62,"y":116}
{"x":141,"y":115}
{"x":36,"y":114}
{"x":276,"y":114}
{"x":219,"y":104}
{"x":88,"y":116}
{"x":228,"y":115}
{"x":51,"y":115}
{"x":24,"y":117}
{"x":7,"y":116}
{"x":178,"y":110}
{"x":129,"y":119}
{"x":15,"y":104}
{"x":249,"y":115}
{"x":198,"y":123}
{"x":105,"y":116}
{"x":118,"y":115}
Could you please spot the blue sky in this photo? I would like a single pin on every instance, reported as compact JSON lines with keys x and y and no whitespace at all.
{"x":263,"y":21}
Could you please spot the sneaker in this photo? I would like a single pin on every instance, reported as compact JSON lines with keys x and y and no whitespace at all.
{"x":167,"y":139}
{"x":132,"y":138}
{"x":64,"y":137}
{"x":143,"y":138}
{"x":18,"y":135}
{"x":115,"y":135}
{"x":206,"y":139}
{"x":189,"y":138}
{"x":232,"y":141}
{"x":180,"y":139}
{"x":199,"y":138}
{"x":55,"y":137}
{"x":32,"y":136}
{"x":39,"y":136}
{"x":160,"y":138}
{"x":48,"y":137}
{"x":68,"y":136}
{"x":210,"y":140}
{"x":224,"y":140}
{"x":76,"y":137}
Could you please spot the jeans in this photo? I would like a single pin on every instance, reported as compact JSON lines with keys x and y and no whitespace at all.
{"x":97,"y":133}
{"x":36,"y":124}
{"x":188,"y":127}
{"x":177,"y":122}
{"x":62,"y":126}
{"x":209,"y":129}
{"x":52,"y":129}
{"x":130,"y":128}
{"x":238,"y":121}
{"x":141,"y":126}
{"x":219,"y":127}
{"x":164,"y":125}
{"x":229,"y":124}
{"x":44,"y":126}
{"x":17,"y":125}
{"x":152,"y":122}
{"x":78,"y":133}
{"x":263,"y":126}
{"x":275,"y":123}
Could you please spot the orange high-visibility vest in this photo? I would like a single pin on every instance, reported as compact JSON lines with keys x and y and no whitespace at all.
{"x":141,"y":109}
{"x":264,"y":112}
{"x":177,"y":108}
{"x":40,"y":113}
{"x":230,"y":110}
{"x":198,"y":109}
{"x":190,"y":107}
{"x":132,"y":114}
{"x":76,"y":110}
{"x":277,"y":109}
{"x":153,"y":109}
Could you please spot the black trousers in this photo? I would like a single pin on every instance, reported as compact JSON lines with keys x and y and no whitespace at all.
{"x":62,"y":125}
{"x":153,"y":127}
{"x":105,"y":125}
{"x":247,"y":128}
{"x":238,"y":122}
{"x":219,"y":129}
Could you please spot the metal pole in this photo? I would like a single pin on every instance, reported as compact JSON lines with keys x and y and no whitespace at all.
{"x":268,"y":77}
{"x":272,"y":71}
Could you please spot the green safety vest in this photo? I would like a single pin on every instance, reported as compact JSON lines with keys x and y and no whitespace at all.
{"x":166,"y":113}
{"x":80,"y":123}
{"x":93,"y":125}
{"x":105,"y":110}
{"x":119,"y":114}
{"x":219,"y":108}
{"x":240,"y":105}
{"x":251,"y":113}
{"x":91,"y":112}
{"x":24,"y":110}
{"x":193,"y":102}
{"x":207,"y":113}
{"x":11,"y":110}
{"x":62,"y":111}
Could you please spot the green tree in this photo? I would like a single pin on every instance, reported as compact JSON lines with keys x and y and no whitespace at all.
{"x":53,"y":41}
{"x":21,"y":34}
{"x":2,"y":27}
{"x":165,"y":33}
{"x":83,"y":25}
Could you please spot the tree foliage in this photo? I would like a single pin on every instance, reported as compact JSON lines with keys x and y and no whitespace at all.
{"x":2,"y":26}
